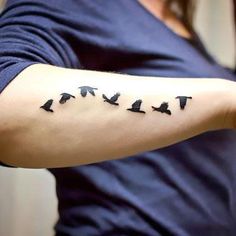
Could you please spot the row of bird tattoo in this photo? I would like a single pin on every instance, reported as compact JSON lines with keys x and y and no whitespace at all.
{"x":135,"y":107}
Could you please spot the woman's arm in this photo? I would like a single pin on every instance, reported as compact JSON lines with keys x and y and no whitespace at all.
{"x":41,"y":128}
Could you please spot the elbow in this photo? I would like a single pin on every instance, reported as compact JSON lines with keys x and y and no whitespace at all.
{"x":9,"y":144}
{"x":14,"y":126}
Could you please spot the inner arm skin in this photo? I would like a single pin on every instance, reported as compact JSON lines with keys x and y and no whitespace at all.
{"x":87,"y":130}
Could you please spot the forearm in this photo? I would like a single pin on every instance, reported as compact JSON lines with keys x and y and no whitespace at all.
{"x":85,"y":129}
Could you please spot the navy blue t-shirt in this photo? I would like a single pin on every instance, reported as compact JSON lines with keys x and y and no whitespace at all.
{"x":186,"y":189}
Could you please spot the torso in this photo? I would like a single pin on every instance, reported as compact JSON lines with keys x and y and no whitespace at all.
{"x":186,"y":189}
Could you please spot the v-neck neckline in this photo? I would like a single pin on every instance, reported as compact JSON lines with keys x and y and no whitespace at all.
{"x":193,"y":42}
{"x":158,"y":20}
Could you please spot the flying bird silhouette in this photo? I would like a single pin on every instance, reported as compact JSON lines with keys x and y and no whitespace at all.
{"x":65,"y":97}
{"x":112,"y":100}
{"x":47,"y":106}
{"x":136,"y":106}
{"x":85,"y":89}
{"x":163,"y":108}
{"x":183,"y":101}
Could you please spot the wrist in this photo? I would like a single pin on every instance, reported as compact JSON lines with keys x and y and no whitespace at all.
{"x":227,"y":114}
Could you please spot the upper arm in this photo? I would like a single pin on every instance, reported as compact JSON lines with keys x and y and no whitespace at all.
{"x":32,"y":32}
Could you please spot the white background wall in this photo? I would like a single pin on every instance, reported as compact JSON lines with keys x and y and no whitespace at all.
{"x":214,"y":22}
{"x":27,"y":198}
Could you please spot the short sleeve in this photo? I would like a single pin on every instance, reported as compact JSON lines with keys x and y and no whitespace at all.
{"x":33,"y":32}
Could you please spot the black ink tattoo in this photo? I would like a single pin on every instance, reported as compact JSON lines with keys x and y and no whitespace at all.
{"x":136,"y":106}
{"x":85,"y":89}
{"x":112,"y":100}
{"x":47,"y":106}
{"x":183,"y":101}
{"x":65,"y":97}
{"x":163,"y":108}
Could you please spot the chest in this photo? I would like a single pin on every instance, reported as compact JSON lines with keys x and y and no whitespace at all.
{"x":133,"y":41}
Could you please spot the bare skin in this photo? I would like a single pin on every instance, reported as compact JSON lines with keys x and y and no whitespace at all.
{"x":37,"y":131}
{"x":70,"y":135}
{"x":158,"y":8}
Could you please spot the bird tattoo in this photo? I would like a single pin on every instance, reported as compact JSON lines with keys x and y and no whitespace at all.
{"x":85,"y":89}
{"x":112,"y":100}
{"x":183,"y":101}
{"x":136,"y":106}
{"x":47,"y":106}
{"x":163,"y":108}
{"x":65,"y":97}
